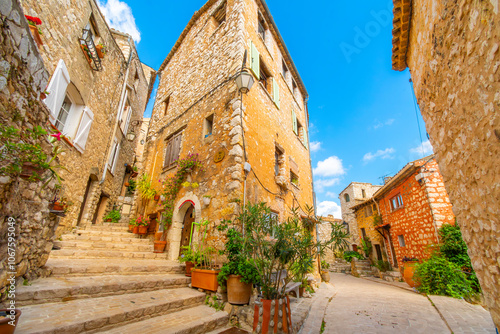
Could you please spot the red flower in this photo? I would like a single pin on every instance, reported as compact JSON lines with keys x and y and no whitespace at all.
{"x":34,"y":19}
{"x":57,"y":136}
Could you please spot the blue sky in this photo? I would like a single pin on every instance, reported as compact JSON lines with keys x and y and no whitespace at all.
{"x":363,"y":123}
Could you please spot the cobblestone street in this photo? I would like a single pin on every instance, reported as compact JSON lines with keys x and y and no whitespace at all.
{"x":363,"y":306}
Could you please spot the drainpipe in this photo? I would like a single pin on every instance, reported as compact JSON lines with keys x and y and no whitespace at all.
{"x":120,"y":105}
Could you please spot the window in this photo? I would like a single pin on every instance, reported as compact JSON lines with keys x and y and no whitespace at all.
{"x":67,"y":110}
{"x":363,"y":232}
{"x":91,"y":31}
{"x":346,"y":226}
{"x":294,"y":179}
{"x":126,"y":113}
{"x":260,"y":70}
{"x":401,"y":240}
{"x":294,"y":87}
{"x":302,"y":134}
{"x":284,"y":69}
{"x":294,"y":123}
{"x":164,"y":105}
{"x":208,"y":126}
{"x":278,"y":161}
{"x":173,"y":150}
{"x":396,"y":202}
{"x":378,"y":250}
{"x":265,"y":77}
{"x":113,"y":157}
{"x":136,"y":81}
{"x":347,"y":198}
{"x":363,"y":193}
{"x":368,"y":211}
{"x":261,"y":29}
{"x":220,"y":14}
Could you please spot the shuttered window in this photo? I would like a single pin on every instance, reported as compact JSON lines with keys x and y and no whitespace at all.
{"x":254,"y":60}
{"x":306,"y":140}
{"x":83,"y":129}
{"x":57,"y":90}
{"x":172,"y":151}
{"x":113,"y":158}
{"x":294,"y":123}
{"x":276,"y":93}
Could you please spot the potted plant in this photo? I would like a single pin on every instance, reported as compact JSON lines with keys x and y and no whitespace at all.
{"x":113,"y":216}
{"x":33,"y":23}
{"x":204,"y":275}
{"x":134,"y":171}
{"x":161,"y":243}
{"x":131,"y":186}
{"x":140,"y":225}
{"x":101,"y":50}
{"x":8,"y":320}
{"x":409,"y":270}
{"x":206,"y":199}
{"x":238,"y":274}
{"x":87,"y":53}
{"x":325,"y":274}
{"x":190,"y":257}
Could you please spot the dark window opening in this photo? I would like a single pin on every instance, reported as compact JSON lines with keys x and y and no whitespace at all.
{"x":363,"y":232}
{"x":347,"y":198}
{"x":284,"y":69}
{"x":165,"y":106}
{"x":220,"y":14}
{"x":208,"y":126}
{"x":262,"y":27}
{"x":265,"y":77}
{"x":294,"y":179}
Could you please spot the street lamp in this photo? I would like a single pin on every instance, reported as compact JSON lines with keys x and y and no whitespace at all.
{"x":244,"y":80}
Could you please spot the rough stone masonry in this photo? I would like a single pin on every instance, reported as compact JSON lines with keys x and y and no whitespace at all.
{"x":451,"y":48}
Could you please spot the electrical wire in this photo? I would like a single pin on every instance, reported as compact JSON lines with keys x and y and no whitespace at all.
{"x":415,"y":104}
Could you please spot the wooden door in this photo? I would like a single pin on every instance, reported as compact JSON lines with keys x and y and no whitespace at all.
{"x":186,"y":229}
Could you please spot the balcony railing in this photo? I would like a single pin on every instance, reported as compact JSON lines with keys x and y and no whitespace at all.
{"x":89,"y":50}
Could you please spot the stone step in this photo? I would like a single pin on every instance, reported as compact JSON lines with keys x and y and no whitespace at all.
{"x":130,"y":238}
{"x":113,"y":224}
{"x":108,"y":228}
{"x":62,"y":289}
{"x":107,"y":254}
{"x":96,"y":267}
{"x":103,"y":313}
{"x":131,"y":247}
{"x":123,"y":234}
{"x":196,"y":320}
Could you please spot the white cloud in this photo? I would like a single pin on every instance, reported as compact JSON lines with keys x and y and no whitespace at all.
{"x":315,"y":146}
{"x":331,"y":166}
{"x":425,"y":148}
{"x":389,"y":121}
{"x":383,"y":154}
{"x":321,"y":184}
{"x":379,"y":124}
{"x":326,"y":208}
{"x":331,"y":194}
{"x":119,"y":16}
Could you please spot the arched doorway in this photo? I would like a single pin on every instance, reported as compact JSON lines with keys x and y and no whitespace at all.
{"x":176,"y":232}
{"x":187,"y":227}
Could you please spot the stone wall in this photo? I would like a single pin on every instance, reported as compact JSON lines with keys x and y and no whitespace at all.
{"x":22,"y":78}
{"x":89,"y":183}
{"x":454,"y":59}
{"x":365,"y":219}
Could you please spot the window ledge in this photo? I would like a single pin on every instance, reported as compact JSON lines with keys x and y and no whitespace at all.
{"x":265,"y":45}
{"x":168,"y":169}
{"x":268,"y":95}
{"x":398,"y":208}
{"x":296,"y":186}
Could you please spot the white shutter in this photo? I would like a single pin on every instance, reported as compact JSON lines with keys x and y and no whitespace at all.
{"x":254,"y":60}
{"x":83,"y":129}
{"x":112,"y":155}
{"x":122,"y":106}
{"x":128,"y":120}
{"x":116,"y":158}
{"x":57,"y":89}
{"x":276,"y":93}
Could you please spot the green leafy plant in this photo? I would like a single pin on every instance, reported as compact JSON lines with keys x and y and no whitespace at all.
{"x":325,"y":265}
{"x":377,"y":220}
{"x":383,"y":265}
{"x":214,"y":303}
{"x":438,"y":276}
{"x":190,"y":254}
{"x":349,"y":255}
{"x":145,"y":187}
{"x":139,"y":221}
{"x":366,"y":245}
{"x":132,"y":185}
{"x":115,"y":215}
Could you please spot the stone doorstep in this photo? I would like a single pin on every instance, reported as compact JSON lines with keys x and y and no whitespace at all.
{"x":93,"y":267}
{"x":108,"y":229}
{"x":122,"y":234}
{"x":104,"y":238}
{"x":103,"y":245}
{"x":105,"y":253}
{"x":199,"y":319}
{"x":97,"y":314}
{"x":53,"y":289}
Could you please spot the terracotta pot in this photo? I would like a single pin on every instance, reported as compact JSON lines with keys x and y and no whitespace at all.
{"x":5,"y":327}
{"x":279,"y":322}
{"x":136,"y":230}
{"x":160,"y":246}
{"x":325,"y":276}
{"x":204,"y":279}
{"x":238,"y":293}
{"x":157,"y":197}
{"x":108,"y":220}
{"x":408,"y":271}
{"x":86,"y":54}
{"x":131,"y":228}
{"x":189,"y":266}
{"x":99,"y":51}
{"x":57,"y":206}
{"x":36,"y":35}
{"x":134,"y":174}
{"x":142,"y":230}
{"x":126,"y":184}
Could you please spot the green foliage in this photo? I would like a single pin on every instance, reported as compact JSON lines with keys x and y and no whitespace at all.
{"x":191,"y":255}
{"x":366,"y":244}
{"x":322,"y":327}
{"x":377,"y":220}
{"x":438,"y":276}
{"x":454,"y":249}
{"x":139,"y":221}
{"x":214,"y":303}
{"x":132,"y":185}
{"x":383,"y":266}
{"x":115,"y":215}
{"x":325,"y":265}
{"x":349,"y":255}
{"x":145,"y":187}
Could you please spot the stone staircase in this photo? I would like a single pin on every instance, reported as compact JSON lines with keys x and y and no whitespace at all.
{"x":363,"y":267}
{"x":104,"y":279}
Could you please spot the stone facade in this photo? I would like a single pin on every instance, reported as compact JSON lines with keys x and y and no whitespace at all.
{"x":198,"y":100}
{"x":367,"y":217}
{"x":104,"y":97}
{"x":26,"y":226}
{"x":413,"y":206}
{"x":324,"y":232}
{"x":355,"y":193}
{"x":452,"y":52}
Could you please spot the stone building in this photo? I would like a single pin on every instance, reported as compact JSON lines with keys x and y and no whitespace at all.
{"x":367,"y":218}
{"x":26,"y":225}
{"x":324,"y":232}
{"x":413,"y":206}
{"x":451,"y":49}
{"x":95,"y":100}
{"x":199,"y":110}
{"x":353,"y":194}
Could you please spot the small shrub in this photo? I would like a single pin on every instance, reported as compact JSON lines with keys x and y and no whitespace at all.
{"x":349,"y":255}
{"x":438,"y":276}
{"x":383,"y":265}
{"x":114,"y":215}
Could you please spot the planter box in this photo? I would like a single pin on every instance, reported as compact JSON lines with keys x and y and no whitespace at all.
{"x":204,"y":279}
{"x":36,"y":35}
{"x":159,"y":246}
{"x":99,"y":51}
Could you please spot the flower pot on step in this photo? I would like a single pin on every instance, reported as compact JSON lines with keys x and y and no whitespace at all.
{"x":99,"y":49}
{"x":142,"y":230}
{"x":36,"y":35}
{"x":267,"y":322}
{"x":205,"y":279}
{"x":160,"y":246}
{"x":57,"y":206}
{"x":409,"y":271}
{"x":136,"y":230}
{"x":189,"y":266}
{"x":238,"y":293}
{"x":8,"y":317}
{"x":130,"y":228}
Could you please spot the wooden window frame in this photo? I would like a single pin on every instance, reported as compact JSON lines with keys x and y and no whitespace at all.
{"x":396,"y":202}
{"x":172,"y":150}
{"x":401,"y":237}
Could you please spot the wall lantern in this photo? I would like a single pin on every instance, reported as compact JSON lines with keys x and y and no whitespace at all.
{"x":130,"y":136}
{"x":244,"y":80}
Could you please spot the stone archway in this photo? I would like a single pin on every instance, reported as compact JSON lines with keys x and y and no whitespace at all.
{"x":174,"y":236}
